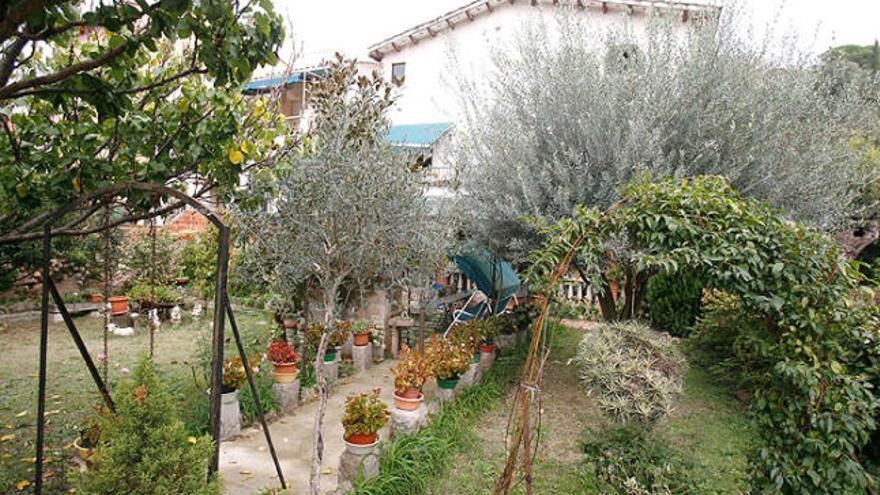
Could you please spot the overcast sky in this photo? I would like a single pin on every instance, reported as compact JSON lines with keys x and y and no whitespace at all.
{"x":323,"y":26}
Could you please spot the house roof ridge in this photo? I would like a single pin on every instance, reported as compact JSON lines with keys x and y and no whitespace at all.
{"x":475,"y":8}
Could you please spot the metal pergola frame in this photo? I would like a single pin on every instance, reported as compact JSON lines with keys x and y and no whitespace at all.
{"x":222,"y":308}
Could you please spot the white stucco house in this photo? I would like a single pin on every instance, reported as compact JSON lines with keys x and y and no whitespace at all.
{"x":419,"y":59}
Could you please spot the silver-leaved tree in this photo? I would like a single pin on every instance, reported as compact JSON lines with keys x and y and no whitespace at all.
{"x":347,"y":212}
{"x":570,"y":112}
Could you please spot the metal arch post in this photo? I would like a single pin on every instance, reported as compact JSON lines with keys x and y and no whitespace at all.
{"x":81,"y":346}
{"x":44,"y":341}
{"x":217,"y":344}
{"x":256,"y":395}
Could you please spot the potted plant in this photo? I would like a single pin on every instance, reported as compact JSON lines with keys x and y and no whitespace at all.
{"x":448,"y":360}
{"x":96,"y":297}
{"x":233,"y":375}
{"x":89,"y":434}
{"x":336,"y":338}
{"x":362,"y":331}
{"x":469,"y":335}
{"x":365,"y":414}
{"x":410,"y":375}
{"x":488,"y":331}
{"x":284,"y":359}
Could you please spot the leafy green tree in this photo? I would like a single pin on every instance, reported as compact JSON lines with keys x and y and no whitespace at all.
{"x":173,"y":125}
{"x":348,"y":213}
{"x":143,"y":447}
{"x":814,"y":350}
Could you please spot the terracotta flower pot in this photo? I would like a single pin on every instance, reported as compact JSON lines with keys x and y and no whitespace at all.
{"x":487,"y":348}
{"x":408,"y":403}
{"x":361,"y":439}
{"x":118,"y":305}
{"x":96,"y":298}
{"x":361,"y":339}
{"x":411,"y":393}
{"x":285,"y":373}
{"x":289,"y":323}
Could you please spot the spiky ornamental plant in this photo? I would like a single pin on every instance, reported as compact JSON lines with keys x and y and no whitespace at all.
{"x":348,"y":212}
{"x":565,"y":118}
{"x":144,"y":449}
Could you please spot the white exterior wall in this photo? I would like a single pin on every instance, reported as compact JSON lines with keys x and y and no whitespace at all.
{"x":428,"y":94}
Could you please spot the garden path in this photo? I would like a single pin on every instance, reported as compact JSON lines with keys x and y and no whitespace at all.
{"x":245,"y":463}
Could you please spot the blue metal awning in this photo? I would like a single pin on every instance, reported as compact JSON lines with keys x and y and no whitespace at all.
{"x":417,"y":136}
{"x":258,"y":85}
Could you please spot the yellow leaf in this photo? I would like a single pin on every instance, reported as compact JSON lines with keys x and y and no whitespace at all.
{"x":21,"y":414}
{"x":6,"y":438}
{"x":76,"y":184}
{"x":21,"y":485}
{"x":191,"y":440}
{"x":235,"y":155}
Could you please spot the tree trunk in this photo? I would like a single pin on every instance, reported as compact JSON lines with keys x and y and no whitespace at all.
{"x":606,"y":302}
{"x":330,"y":293}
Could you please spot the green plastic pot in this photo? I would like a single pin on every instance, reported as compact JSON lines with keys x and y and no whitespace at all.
{"x":447,"y":384}
{"x":476,"y":357}
{"x":329,"y":357}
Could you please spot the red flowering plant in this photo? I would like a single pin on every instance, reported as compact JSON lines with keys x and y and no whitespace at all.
{"x":281,"y":352}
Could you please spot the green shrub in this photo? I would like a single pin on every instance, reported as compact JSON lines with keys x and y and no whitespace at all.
{"x":625,"y":461}
{"x":672,"y":301}
{"x":634,"y":371}
{"x":144,"y":448}
{"x":723,"y":339}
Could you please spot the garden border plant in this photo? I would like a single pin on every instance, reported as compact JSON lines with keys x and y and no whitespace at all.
{"x":812,"y":397}
{"x":410,"y":463}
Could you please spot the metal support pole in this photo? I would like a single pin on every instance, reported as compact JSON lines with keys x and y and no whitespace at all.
{"x":44,"y":341}
{"x":250,"y":378}
{"x":217,"y":344}
{"x":83,"y":351}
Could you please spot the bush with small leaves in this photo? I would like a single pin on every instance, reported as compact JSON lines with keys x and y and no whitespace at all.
{"x":634,"y":371}
{"x":144,"y":448}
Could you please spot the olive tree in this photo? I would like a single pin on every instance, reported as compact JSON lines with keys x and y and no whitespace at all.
{"x":559,"y":122}
{"x":348,"y":211}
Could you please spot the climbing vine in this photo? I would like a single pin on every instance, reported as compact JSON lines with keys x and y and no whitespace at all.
{"x":812,"y":359}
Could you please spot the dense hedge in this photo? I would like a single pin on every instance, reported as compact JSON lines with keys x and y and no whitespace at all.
{"x":672,"y":301}
{"x":816,"y":347}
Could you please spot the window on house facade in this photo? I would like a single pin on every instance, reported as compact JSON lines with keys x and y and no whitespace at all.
{"x":398,"y":73}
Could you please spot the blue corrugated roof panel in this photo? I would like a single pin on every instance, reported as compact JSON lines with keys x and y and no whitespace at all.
{"x":274,"y":82}
{"x":417,"y":135}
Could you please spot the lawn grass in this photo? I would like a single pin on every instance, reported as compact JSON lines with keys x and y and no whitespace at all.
{"x":71,"y":393}
{"x":708,"y":429}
